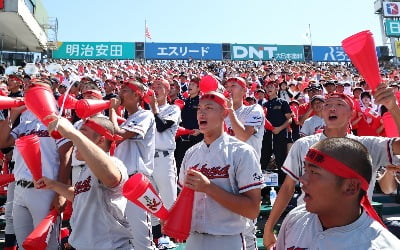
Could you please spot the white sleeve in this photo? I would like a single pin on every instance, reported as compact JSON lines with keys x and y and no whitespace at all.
{"x":139,"y":124}
{"x":255,"y":118}
{"x":248,"y":170}
{"x":294,"y":161}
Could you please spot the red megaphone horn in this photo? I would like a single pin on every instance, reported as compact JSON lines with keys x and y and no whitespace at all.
{"x":87,"y":107}
{"x":37,"y":240}
{"x":179,"y":220}
{"x":40,"y":101}
{"x":29,"y":147}
{"x":139,"y":190}
{"x":69,"y":103}
{"x":361,"y":50}
{"x":9,"y":102}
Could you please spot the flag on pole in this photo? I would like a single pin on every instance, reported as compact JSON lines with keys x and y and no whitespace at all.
{"x":147,"y":33}
{"x":307,"y":35}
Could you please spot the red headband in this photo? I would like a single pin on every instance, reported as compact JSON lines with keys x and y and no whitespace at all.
{"x":344,"y":97}
{"x":104,"y":132}
{"x":215,"y":98}
{"x":338,"y":168}
{"x":15,"y":78}
{"x":134,"y":88}
{"x":238,"y":80}
{"x":94,"y":93}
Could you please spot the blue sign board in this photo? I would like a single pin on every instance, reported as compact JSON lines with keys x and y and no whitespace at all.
{"x":183,"y":51}
{"x":329,"y":54}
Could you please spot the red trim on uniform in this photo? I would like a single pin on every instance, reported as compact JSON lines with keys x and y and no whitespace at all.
{"x":251,"y":185}
{"x":290,"y":173}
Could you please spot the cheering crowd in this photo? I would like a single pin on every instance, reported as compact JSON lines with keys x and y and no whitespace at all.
{"x":217,"y":126}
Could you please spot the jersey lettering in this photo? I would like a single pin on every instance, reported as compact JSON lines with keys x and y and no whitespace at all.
{"x":213,"y":172}
{"x":82,"y":186}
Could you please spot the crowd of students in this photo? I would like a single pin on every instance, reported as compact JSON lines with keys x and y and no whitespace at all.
{"x":248,"y":123}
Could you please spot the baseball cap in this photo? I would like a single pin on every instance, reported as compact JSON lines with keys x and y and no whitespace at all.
{"x":314,"y":86}
{"x":344,"y":97}
{"x":330,"y":82}
{"x":215,"y":97}
{"x":317,"y":97}
{"x":238,"y":80}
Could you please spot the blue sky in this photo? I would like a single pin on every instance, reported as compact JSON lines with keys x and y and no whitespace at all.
{"x":214,"y":21}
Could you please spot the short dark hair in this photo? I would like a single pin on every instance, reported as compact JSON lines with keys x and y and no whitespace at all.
{"x":340,"y":148}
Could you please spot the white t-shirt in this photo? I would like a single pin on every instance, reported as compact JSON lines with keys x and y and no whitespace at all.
{"x":250,"y":116}
{"x":303,"y":230}
{"x":98,"y":220}
{"x":232,"y":165}
{"x":137,"y":153}
{"x":312,"y":125}
{"x":380,"y":149}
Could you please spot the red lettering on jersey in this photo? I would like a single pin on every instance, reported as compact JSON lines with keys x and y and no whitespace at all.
{"x":296,"y":248}
{"x":82,"y":186}
{"x":213,"y":172}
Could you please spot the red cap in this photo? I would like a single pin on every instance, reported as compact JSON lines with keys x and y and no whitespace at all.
{"x":216,"y":97}
{"x":238,"y":80}
{"x":344,"y":97}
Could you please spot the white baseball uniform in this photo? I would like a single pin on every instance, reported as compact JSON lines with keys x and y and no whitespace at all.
{"x":232,"y":165}
{"x":303,"y":230}
{"x":98,"y":220}
{"x":137,"y":153}
{"x":380,"y":149}
{"x":250,"y":116}
{"x":312,"y":125}
{"x":164,"y":173}
{"x":32,"y":205}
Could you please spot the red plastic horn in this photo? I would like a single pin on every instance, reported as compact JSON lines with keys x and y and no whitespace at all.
{"x":70,"y":101}
{"x":86,"y":107}
{"x":179,"y":220}
{"x":183,"y":131}
{"x":29,"y":148}
{"x":9,"y":102}
{"x":390,"y":126}
{"x":139,"y":190}
{"x":208,"y":83}
{"x":361,"y":50}
{"x":6,"y":178}
{"x":40,"y":101}
{"x":37,"y":240}
{"x":180,"y":103}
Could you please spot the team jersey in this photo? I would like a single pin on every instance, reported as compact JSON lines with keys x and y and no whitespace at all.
{"x":232,"y":165}
{"x":303,"y":230}
{"x":98,"y":220}
{"x":250,"y":116}
{"x":166,"y":140}
{"x":137,"y":152}
{"x":380,"y":149}
{"x":49,"y":146}
{"x":312,"y":125}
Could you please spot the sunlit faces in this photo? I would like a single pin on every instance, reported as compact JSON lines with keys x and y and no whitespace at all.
{"x":159,"y":89}
{"x":236,"y":90}
{"x":336,"y":113}
{"x":210,"y":116}
{"x":270,"y":89}
{"x":322,"y":190}
{"x":317,"y":105}
{"x":126,"y":95}
{"x":193,"y":89}
{"x":91,"y":135}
